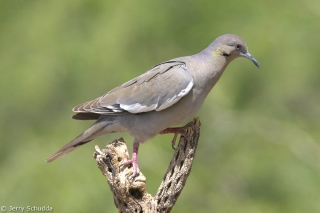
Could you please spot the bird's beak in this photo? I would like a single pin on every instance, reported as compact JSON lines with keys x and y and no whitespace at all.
{"x":251,"y":58}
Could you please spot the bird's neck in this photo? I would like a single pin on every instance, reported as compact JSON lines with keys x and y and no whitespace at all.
{"x":210,"y":70}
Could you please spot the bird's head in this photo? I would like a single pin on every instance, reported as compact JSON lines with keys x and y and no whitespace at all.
{"x":231,"y":47}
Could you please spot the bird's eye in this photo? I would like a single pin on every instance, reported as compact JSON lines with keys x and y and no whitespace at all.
{"x":238,"y":46}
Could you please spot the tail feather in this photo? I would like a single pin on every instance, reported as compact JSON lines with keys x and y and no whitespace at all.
{"x":87,"y":136}
{"x":78,"y":141}
{"x":86,"y":116}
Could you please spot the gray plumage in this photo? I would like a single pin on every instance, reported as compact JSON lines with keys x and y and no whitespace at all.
{"x":167,"y":95}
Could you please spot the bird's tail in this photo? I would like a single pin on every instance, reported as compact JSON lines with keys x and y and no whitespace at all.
{"x":83,"y":138}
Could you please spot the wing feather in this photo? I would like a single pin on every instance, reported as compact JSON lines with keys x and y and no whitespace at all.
{"x":159,"y":88}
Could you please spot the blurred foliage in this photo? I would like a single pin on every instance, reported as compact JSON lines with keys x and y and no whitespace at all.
{"x":259,"y":149}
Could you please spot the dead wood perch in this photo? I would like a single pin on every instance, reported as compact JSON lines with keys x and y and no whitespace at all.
{"x":130,"y":195}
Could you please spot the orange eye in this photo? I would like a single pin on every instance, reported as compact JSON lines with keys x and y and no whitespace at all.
{"x":238,"y":46}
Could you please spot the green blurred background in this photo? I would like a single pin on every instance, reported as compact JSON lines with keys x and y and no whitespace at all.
{"x":259,"y":149}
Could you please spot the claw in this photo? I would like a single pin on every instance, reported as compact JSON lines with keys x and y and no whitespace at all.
{"x":135,"y":165}
{"x":174,"y":141}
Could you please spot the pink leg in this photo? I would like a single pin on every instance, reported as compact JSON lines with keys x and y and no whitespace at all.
{"x":179,"y":130}
{"x":134,"y":160}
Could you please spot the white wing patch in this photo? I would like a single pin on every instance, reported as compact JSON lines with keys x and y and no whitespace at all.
{"x":175,"y":99}
{"x":139,"y":108}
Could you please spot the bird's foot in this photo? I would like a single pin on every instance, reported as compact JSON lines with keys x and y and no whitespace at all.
{"x":181,"y":131}
{"x":134,"y":161}
{"x":135,"y":165}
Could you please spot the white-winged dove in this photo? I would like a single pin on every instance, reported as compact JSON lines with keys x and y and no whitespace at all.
{"x":167,"y":95}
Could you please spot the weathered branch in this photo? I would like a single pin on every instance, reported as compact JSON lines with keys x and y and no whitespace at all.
{"x":130,"y":195}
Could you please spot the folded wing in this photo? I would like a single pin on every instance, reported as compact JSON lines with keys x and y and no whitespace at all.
{"x":159,"y":88}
